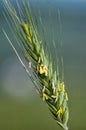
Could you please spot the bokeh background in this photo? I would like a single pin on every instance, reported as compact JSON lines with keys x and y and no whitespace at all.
{"x":20,"y":105}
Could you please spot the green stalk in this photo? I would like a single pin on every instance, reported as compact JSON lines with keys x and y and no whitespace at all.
{"x":46,"y":79}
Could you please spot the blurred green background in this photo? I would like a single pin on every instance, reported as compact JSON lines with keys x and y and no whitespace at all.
{"x":20,"y":105}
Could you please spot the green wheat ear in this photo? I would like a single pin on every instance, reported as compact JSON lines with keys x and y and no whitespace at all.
{"x":41,"y":68}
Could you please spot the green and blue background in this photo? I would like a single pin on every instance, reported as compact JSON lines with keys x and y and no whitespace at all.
{"x":20,"y":105}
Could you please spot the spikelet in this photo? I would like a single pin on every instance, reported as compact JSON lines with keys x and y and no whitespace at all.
{"x":47,"y":80}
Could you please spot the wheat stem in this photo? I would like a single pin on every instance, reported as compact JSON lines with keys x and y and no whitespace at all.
{"x":41,"y":66}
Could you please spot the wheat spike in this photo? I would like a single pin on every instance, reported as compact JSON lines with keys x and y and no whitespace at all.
{"x":46,"y":79}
